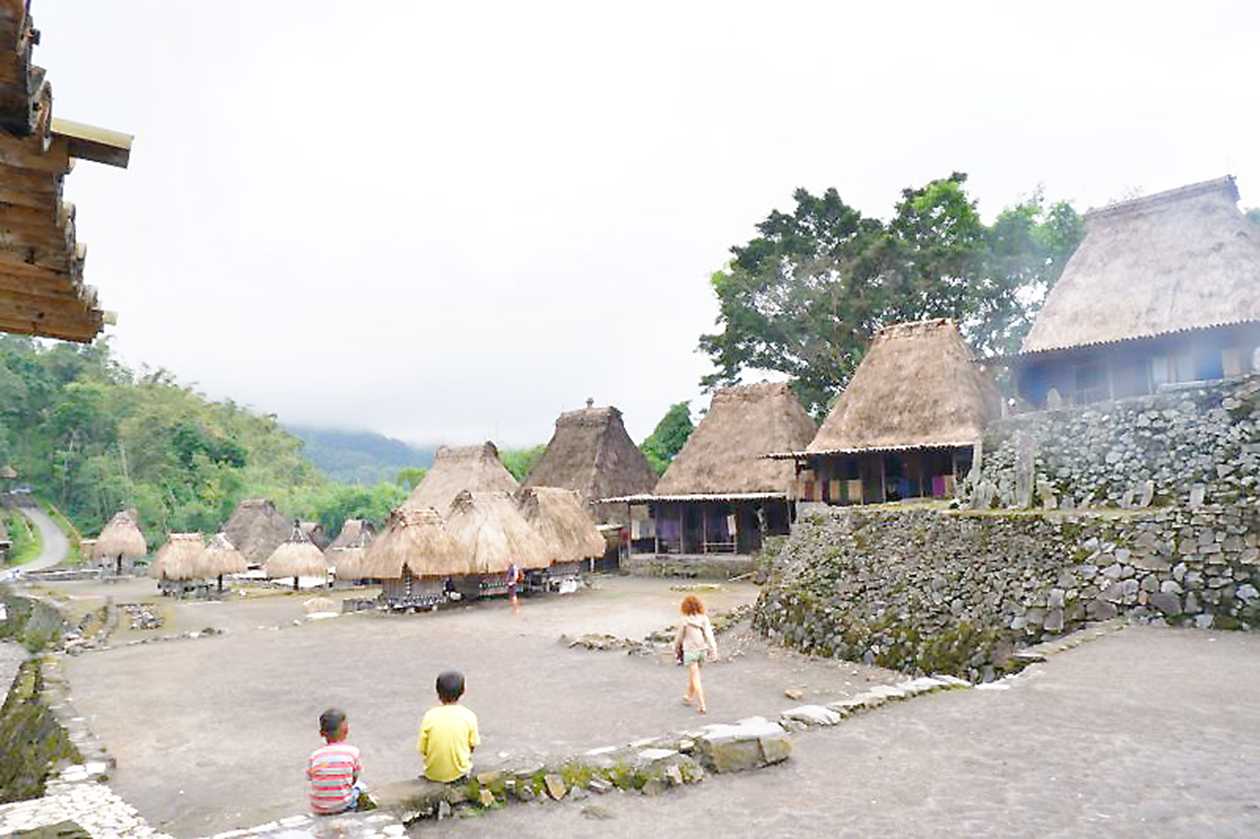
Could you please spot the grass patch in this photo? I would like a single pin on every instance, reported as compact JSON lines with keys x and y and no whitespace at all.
{"x":27,"y":541}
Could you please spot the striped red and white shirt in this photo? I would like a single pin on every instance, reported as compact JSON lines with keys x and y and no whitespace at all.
{"x":332,"y":771}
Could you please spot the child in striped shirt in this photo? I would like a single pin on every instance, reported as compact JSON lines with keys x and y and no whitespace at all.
{"x":333,"y":769}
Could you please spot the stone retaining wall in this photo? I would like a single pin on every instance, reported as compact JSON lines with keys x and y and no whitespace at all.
{"x":1180,"y":447}
{"x":930,"y":590}
{"x":691,"y":566}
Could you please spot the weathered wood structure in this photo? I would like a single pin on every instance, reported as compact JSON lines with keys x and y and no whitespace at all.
{"x":722,"y":494}
{"x":120,"y":544}
{"x":414,"y":558}
{"x":179,"y":566}
{"x":296,"y":557}
{"x":1162,"y":290}
{"x":567,"y":529}
{"x":907,"y":424}
{"x":41,"y":261}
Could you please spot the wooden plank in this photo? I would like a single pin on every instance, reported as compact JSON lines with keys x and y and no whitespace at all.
{"x":29,"y":153}
{"x":13,"y":263}
{"x":83,"y":333}
{"x":89,"y":142}
{"x":38,"y":290}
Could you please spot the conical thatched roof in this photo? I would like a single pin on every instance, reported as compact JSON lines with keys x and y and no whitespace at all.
{"x":560,"y":517}
{"x":296,"y":557}
{"x":490,"y":529}
{"x":918,"y":386}
{"x":315,"y":532}
{"x":121,"y":536}
{"x":222,"y":557}
{"x":591,"y":453}
{"x":180,"y":558}
{"x":256,"y":528}
{"x":354,"y":532}
{"x":414,"y":539}
{"x":346,"y":553}
{"x":1174,"y":261}
{"x":459,"y":468}
{"x":726,"y":454}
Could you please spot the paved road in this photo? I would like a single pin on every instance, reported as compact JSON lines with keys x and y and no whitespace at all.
{"x":1148,"y":732}
{"x":56,"y":546}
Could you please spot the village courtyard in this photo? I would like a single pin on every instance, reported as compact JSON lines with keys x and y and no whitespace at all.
{"x":1144,"y":731}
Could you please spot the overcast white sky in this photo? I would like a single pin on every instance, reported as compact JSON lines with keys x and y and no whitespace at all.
{"x":451,"y":221}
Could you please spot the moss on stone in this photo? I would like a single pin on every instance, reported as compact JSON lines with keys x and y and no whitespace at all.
{"x":32,"y":742}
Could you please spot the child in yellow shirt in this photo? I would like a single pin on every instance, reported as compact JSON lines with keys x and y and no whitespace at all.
{"x":448,"y":733}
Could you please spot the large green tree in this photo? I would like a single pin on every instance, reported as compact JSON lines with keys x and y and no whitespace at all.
{"x":667,"y":439}
{"x":807,"y":293}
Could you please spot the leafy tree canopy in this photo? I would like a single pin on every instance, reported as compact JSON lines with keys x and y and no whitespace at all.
{"x":807,"y":293}
{"x":520,"y":461}
{"x":667,"y":439}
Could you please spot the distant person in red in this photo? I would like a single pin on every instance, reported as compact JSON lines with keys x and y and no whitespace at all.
{"x":333,"y":769}
{"x":693,"y":641}
{"x":514,"y":576}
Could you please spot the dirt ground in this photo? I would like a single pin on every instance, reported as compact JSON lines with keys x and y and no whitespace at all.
{"x":1147,"y":732}
{"x":212,"y":734}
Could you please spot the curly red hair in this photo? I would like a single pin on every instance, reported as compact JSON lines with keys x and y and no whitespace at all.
{"x":692,"y":605}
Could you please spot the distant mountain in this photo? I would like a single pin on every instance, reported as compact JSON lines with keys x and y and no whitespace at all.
{"x":359,"y":457}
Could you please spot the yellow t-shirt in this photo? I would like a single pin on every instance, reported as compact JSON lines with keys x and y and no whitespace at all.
{"x":448,"y":734}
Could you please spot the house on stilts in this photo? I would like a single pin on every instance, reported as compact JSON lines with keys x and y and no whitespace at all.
{"x":907,"y":424}
{"x":1162,"y":290}
{"x":721,"y":495}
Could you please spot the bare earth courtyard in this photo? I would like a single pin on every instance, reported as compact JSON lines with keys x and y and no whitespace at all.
{"x":212,"y":734}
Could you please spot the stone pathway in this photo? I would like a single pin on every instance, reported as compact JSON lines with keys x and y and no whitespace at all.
{"x":92,"y":806}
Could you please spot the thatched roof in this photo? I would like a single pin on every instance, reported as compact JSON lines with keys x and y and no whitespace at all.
{"x":222,"y":557}
{"x":414,"y":539}
{"x":918,"y":386}
{"x":180,"y":558}
{"x":459,"y":468}
{"x":726,"y":454}
{"x":315,"y":532}
{"x":1178,"y":260}
{"x":121,"y":536}
{"x":489,"y":528}
{"x":296,"y":557}
{"x":561,"y":518}
{"x":591,"y":453}
{"x":256,"y":528}
{"x":354,"y":532}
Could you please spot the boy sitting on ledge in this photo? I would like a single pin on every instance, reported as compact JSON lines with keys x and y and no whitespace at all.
{"x":333,"y":769}
{"x":448,"y":733}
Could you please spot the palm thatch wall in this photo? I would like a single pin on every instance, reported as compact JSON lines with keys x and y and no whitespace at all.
{"x":459,"y":468}
{"x":222,"y":557}
{"x":726,"y":453}
{"x":1178,"y":260}
{"x":489,"y":528}
{"x":561,"y":518}
{"x":415,"y":540}
{"x":354,"y":532}
{"x":120,"y":537}
{"x":180,"y":558}
{"x":591,"y":453}
{"x":256,"y":528}
{"x":917,"y":386}
{"x":296,"y":557}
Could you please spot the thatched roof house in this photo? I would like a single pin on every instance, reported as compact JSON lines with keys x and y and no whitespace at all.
{"x":181,"y":558}
{"x":354,"y":532}
{"x":256,"y":528}
{"x":457,"y":469}
{"x":918,"y":386}
{"x":414,"y":542}
{"x":315,"y":532}
{"x":726,"y":454}
{"x":591,"y":453}
{"x":906,"y":425}
{"x":490,"y":530}
{"x":1162,"y":289}
{"x":296,"y":557}
{"x":562,"y":520}
{"x":221,"y":557}
{"x":120,"y":538}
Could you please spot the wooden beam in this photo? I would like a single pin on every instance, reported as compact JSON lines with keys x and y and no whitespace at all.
{"x":20,"y":287}
{"x":29,"y":153}
{"x":89,"y":142}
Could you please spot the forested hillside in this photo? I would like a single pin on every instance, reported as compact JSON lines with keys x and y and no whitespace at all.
{"x":359,"y":457}
{"x":93,"y":437}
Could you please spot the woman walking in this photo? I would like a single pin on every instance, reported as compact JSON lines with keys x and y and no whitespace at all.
{"x":693,"y":640}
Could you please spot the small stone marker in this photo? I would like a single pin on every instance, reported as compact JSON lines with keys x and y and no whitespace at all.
{"x":793,"y":693}
{"x":555,"y":786}
{"x":486,"y":797}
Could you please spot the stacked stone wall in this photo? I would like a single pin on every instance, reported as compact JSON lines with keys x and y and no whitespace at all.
{"x":959,"y":592}
{"x":1180,"y":447}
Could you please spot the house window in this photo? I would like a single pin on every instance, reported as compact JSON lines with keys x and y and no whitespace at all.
{"x":1091,"y":383}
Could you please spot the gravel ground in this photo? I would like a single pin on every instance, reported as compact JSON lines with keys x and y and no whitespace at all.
{"x":1147,"y":732}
